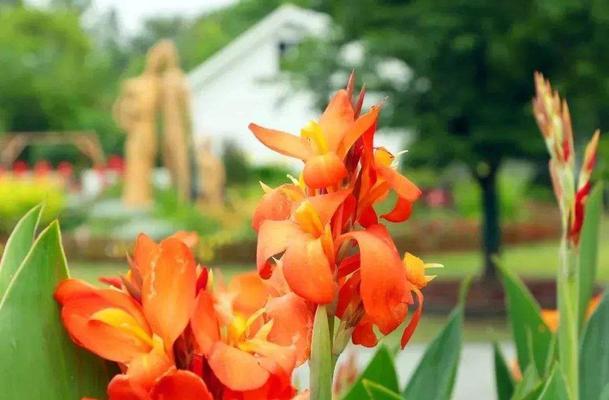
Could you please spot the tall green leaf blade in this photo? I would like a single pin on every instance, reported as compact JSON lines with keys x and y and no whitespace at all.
{"x":605,"y":393}
{"x":17,"y":246}
{"x":37,"y":359}
{"x":555,"y":387}
{"x":594,"y":353}
{"x":380,"y":370}
{"x":528,"y":328}
{"x":320,"y":363}
{"x":374,"y":391}
{"x":529,"y":386}
{"x":435,"y":375}
{"x":503,"y":378}
{"x":588,"y":248}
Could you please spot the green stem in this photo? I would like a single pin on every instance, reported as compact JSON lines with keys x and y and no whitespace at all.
{"x":568,"y":307}
{"x":322,"y":362}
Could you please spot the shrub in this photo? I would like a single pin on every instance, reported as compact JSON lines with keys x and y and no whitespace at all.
{"x":18,"y":195}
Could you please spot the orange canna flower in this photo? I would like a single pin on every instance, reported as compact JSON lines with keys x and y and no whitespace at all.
{"x":307,"y":245}
{"x":175,"y":337}
{"x":324,"y":144}
{"x":323,"y":232}
{"x":252,"y":351}
{"x":138,"y":333}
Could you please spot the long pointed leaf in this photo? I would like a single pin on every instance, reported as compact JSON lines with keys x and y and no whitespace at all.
{"x":529,"y":330}
{"x":555,"y":387}
{"x":435,"y":375}
{"x":529,"y":386}
{"x":17,"y":246}
{"x":37,"y":359}
{"x":594,"y":353}
{"x":375,"y":391}
{"x":503,"y":378}
{"x":588,"y":250}
{"x":380,"y":370}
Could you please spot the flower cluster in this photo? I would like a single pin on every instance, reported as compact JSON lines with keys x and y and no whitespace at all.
{"x":322,"y":234}
{"x":554,"y":121}
{"x":176,"y":336}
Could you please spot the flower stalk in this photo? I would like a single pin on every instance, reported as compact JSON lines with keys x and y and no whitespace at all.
{"x":554,"y":121}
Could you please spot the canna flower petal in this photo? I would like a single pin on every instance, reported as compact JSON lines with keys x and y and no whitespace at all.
{"x":325,"y":205}
{"x":273,"y":239}
{"x":237,"y":369}
{"x":401,"y":211}
{"x":403,"y":187}
{"x":363,"y":334}
{"x":414,"y":321}
{"x":145,"y":369}
{"x":180,"y":385}
{"x":308,"y":272}
{"x":168,"y":293}
{"x":107,"y":322}
{"x":204,"y":322}
{"x":383,"y":279}
{"x":282,"y":142}
{"x":275,"y":205}
{"x":144,"y":254}
{"x":324,"y":170}
{"x":121,"y":388}
{"x":362,"y":125}
{"x":337,"y":119}
{"x":292,"y":324}
{"x":251,"y":293}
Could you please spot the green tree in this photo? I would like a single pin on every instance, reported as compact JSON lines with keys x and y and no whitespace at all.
{"x":470,"y":64}
{"x":54,"y":77}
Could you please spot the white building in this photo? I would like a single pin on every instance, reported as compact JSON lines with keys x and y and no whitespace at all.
{"x":239,"y":85}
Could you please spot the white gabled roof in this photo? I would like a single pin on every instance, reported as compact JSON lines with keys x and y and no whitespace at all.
{"x":311,"y":22}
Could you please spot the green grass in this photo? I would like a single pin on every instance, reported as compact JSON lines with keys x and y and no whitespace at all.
{"x":537,"y":260}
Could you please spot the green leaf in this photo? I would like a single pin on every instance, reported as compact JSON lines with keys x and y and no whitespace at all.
{"x":555,"y":387}
{"x":17,"y":246}
{"x":530,"y":332}
{"x":594,"y":353}
{"x":380,"y":370}
{"x":529,"y":386}
{"x":37,"y":359}
{"x":435,"y":375}
{"x":588,"y":249}
{"x":320,"y":363}
{"x":503,"y":377}
{"x":605,"y":393}
{"x":378,"y":392}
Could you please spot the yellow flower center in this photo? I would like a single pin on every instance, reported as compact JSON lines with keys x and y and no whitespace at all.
{"x":313,"y":131}
{"x":415,"y":270}
{"x":238,"y":330}
{"x":383,"y":157}
{"x":308,"y":219}
{"x":120,"y":319}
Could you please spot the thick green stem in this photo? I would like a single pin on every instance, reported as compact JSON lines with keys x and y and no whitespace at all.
{"x":322,"y":362}
{"x":568,"y":307}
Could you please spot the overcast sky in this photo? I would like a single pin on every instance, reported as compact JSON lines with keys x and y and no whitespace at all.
{"x":133,"y":12}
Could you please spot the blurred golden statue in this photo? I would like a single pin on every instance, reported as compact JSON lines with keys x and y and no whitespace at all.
{"x":175,"y":109}
{"x":212,"y":175}
{"x":135,"y":112}
{"x":161,"y":89}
